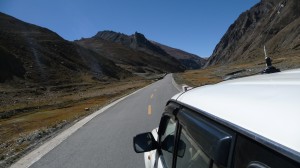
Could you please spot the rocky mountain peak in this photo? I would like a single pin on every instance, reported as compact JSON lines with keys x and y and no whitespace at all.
{"x":139,"y":37}
{"x":112,"y":36}
{"x":135,"y":41}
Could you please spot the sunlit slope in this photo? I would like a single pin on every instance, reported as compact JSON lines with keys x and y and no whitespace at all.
{"x":275,"y":24}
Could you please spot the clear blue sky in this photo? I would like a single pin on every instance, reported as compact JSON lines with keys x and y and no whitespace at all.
{"x":195,"y":26}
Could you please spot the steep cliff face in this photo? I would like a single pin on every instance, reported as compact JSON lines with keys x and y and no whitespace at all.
{"x":37,"y":55}
{"x":275,"y":24}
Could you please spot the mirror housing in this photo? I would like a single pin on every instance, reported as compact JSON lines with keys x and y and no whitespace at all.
{"x":144,"y":142}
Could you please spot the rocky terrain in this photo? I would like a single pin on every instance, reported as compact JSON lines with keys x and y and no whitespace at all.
{"x":275,"y":24}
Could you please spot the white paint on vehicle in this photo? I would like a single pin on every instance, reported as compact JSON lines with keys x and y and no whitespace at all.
{"x":267,"y":105}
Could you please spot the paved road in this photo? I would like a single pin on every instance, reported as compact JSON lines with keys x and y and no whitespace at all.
{"x":106,"y":141}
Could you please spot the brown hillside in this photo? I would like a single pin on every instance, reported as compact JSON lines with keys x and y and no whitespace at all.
{"x":188,"y":60}
{"x":275,"y":24}
{"x":38,"y":55}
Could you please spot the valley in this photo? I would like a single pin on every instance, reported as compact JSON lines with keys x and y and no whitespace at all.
{"x":48,"y":83}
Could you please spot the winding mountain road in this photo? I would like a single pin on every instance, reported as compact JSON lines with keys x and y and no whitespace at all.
{"x":106,"y":140}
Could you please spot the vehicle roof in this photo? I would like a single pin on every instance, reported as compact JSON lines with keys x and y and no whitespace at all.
{"x":267,"y":105}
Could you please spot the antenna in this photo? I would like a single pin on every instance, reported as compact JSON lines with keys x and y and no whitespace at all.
{"x":269,"y":68}
{"x":265,"y":51}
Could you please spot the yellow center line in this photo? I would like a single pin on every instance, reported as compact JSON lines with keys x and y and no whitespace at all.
{"x":151,"y":97}
{"x":149,"y":110}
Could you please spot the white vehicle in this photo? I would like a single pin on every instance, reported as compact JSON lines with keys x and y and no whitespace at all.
{"x":251,"y":122}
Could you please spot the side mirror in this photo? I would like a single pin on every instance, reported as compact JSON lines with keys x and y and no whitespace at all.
{"x":144,"y":143}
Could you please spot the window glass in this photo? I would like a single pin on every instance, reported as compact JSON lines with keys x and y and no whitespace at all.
{"x":167,"y":142}
{"x":215,"y":166}
{"x":189,"y":154}
{"x":257,"y":165}
{"x":249,"y":153}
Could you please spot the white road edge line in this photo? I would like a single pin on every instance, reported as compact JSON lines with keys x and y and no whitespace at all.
{"x":38,"y":153}
{"x":176,"y":85}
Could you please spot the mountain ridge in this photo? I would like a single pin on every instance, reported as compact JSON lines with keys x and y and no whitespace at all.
{"x":275,"y":24}
{"x":41,"y":56}
{"x":34,"y":54}
{"x":135,"y":41}
{"x":188,"y":60}
{"x":138,"y":43}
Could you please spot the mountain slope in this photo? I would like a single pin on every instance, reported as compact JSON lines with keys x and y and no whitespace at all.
{"x":188,"y":60}
{"x":275,"y":24}
{"x":134,"y":53}
{"x":38,"y":55}
{"x":10,"y":66}
{"x":137,"y":41}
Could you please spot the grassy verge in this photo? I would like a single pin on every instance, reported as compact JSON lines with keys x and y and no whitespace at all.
{"x":196,"y":78}
{"x":50,"y":113}
{"x":215,"y":74}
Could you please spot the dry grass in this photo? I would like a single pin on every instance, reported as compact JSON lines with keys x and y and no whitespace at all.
{"x":198,"y":77}
{"x":218,"y":73}
{"x":23,"y":130}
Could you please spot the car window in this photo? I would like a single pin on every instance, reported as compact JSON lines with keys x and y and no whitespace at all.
{"x":251,"y":154}
{"x":167,"y":142}
{"x":257,"y":165}
{"x":211,"y":141}
{"x":189,"y":154}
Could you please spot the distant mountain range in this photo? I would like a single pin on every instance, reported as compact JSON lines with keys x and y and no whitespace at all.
{"x":32,"y":54}
{"x":136,"y":53}
{"x":133,"y":53}
{"x":275,"y":24}
{"x":37,"y":55}
{"x":188,"y":60}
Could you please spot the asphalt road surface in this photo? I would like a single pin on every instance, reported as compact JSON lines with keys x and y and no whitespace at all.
{"x":106,"y":141}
